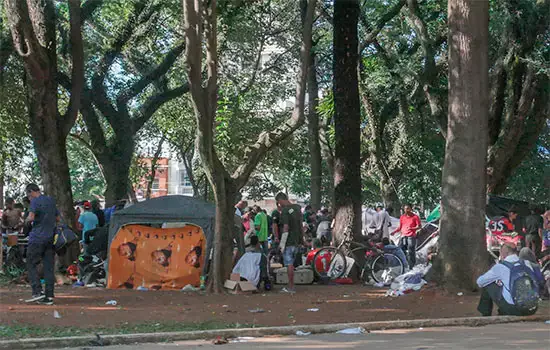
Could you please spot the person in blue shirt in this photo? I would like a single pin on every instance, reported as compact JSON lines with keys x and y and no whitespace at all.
{"x":43,"y":215}
{"x":88,"y":221}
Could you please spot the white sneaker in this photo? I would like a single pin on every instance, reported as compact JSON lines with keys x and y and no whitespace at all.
{"x":288,"y":290}
{"x":36,"y":297}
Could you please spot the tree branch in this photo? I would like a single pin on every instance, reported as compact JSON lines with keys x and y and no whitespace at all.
{"x":119,"y":43}
{"x":77,"y":75}
{"x":153,"y":103}
{"x":268,"y":140}
{"x":378,"y":26}
{"x":153,"y":75}
{"x":89,"y":8}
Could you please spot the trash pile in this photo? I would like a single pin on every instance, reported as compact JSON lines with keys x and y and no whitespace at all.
{"x":409,"y":282}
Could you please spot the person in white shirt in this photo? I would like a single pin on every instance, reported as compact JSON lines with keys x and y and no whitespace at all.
{"x":382,"y":221}
{"x":495,"y":284}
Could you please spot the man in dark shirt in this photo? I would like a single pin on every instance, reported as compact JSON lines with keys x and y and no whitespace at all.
{"x":534,"y":224}
{"x":43,"y":215}
{"x":291,"y":238}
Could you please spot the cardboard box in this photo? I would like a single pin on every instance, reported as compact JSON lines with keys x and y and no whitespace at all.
{"x":237,"y":287}
{"x":301,"y":276}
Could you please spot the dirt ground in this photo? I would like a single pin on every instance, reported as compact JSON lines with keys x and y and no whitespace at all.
{"x":86,"y":308}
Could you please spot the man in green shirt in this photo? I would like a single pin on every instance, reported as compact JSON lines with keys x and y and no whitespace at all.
{"x":291,"y":219}
{"x":260,"y":224}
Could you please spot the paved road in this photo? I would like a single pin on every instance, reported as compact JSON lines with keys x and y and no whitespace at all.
{"x":525,"y":336}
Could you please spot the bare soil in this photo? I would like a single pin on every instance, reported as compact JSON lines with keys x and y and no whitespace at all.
{"x":85,"y":307}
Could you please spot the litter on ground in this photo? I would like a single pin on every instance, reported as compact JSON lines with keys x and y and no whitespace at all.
{"x":302,"y":334}
{"x":357,"y":330}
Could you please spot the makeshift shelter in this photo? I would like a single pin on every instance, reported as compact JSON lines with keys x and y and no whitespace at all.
{"x":496,"y":206}
{"x":142,"y":253}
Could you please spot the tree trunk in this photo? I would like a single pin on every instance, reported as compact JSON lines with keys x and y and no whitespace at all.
{"x":49,"y":141}
{"x":347,"y":119}
{"x":1,"y":191}
{"x":316,"y":170}
{"x":390,"y":197}
{"x":154,"y":162}
{"x":463,"y":248}
{"x":313,"y":135}
{"x":117,"y":169}
{"x":224,"y":194}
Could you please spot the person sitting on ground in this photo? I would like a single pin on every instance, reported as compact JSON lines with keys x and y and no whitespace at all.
{"x":252,"y":266}
{"x":393,"y":249}
{"x":529,"y":257}
{"x":324,"y":230}
{"x":510,"y":285}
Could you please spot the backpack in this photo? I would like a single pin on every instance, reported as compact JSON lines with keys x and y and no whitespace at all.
{"x":522,"y":287}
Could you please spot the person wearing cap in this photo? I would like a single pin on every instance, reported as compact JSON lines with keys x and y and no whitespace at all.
{"x":88,"y":221}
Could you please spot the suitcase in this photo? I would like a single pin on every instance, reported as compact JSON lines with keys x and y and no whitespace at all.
{"x":302,"y":275}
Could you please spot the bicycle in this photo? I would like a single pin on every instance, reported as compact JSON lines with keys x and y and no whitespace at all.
{"x":331,"y":263}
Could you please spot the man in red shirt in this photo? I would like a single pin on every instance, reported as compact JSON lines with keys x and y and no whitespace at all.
{"x":409,"y":224}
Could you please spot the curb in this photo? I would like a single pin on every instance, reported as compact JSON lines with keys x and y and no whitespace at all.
{"x":125,"y":339}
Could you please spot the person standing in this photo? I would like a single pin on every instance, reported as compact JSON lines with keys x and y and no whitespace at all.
{"x":88,"y":221}
{"x":96,"y":209}
{"x":43,"y":215}
{"x":261,"y":226}
{"x":409,"y":224}
{"x":292,"y":237}
{"x":534,"y":224}
{"x":276,"y":226}
{"x":239,"y":208}
{"x":382,"y":222}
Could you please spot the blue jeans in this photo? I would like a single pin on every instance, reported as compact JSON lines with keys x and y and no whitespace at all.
{"x":408,"y":245}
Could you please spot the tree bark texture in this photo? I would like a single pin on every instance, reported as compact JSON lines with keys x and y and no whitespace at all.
{"x":32,"y":25}
{"x":347,"y":119}
{"x":200,"y":22}
{"x":313,"y":135}
{"x":463,"y":249}
{"x":154,"y":162}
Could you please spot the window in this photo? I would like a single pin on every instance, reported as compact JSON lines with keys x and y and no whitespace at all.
{"x":156,"y":184}
{"x":184,"y":179}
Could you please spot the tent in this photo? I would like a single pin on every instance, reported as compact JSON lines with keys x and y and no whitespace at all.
{"x":140,"y":227}
{"x":496,"y":206}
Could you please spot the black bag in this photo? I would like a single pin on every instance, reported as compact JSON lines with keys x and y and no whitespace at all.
{"x":63,"y":236}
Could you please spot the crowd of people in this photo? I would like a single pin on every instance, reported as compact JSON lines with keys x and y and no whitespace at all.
{"x":296,"y":234}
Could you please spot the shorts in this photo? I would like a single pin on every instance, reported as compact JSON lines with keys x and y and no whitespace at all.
{"x":289,"y":255}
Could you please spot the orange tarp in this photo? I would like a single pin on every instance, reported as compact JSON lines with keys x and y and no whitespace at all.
{"x":156,"y":258}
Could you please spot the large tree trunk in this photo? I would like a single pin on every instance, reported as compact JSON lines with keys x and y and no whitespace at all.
{"x":117,"y":169}
{"x":32,"y":25}
{"x":347,"y":119}
{"x":224,"y":195}
{"x":313,"y":135}
{"x":1,"y":190}
{"x":316,"y":170}
{"x":463,"y":250}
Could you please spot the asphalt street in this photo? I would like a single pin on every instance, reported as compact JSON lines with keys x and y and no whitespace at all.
{"x":525,"y":336}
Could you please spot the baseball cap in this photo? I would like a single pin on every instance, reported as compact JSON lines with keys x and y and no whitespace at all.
{"x":87,"y":205}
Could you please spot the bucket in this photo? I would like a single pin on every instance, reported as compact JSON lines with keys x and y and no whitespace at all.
{"x":12,"y":239}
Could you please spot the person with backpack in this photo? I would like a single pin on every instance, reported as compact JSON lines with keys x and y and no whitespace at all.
{"x":510,"y":284}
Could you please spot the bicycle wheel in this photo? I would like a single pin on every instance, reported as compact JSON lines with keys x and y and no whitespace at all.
{"x":329,"y":262}
{"x":386,"y":267}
